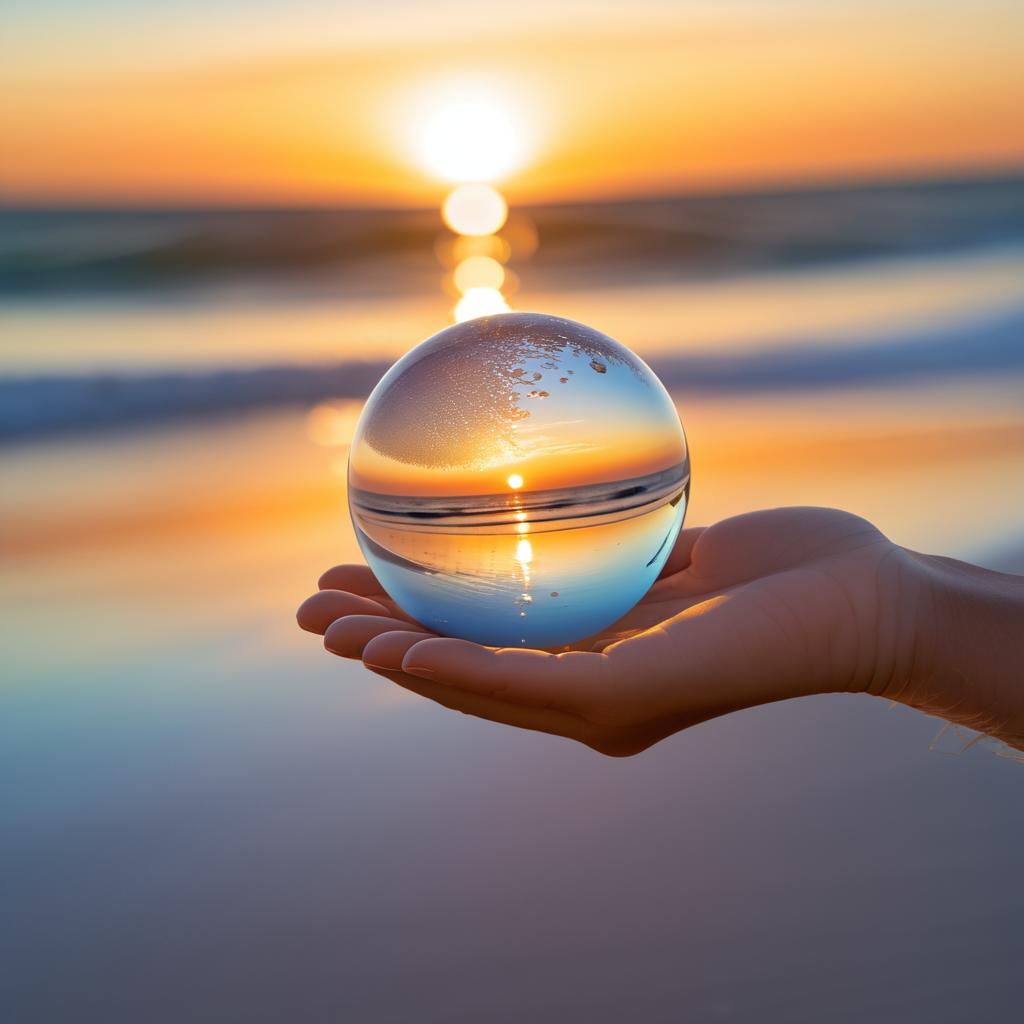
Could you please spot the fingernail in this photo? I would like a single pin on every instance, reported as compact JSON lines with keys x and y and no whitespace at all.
{"x":382,"y":668}
{"x":423,"y":673}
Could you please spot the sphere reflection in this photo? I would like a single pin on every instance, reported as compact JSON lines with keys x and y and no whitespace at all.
{"x":518,"y":479}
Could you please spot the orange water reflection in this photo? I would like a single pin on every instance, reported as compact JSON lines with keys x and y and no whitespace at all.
{"x":475,"y":212}
{"x":169,"y":494}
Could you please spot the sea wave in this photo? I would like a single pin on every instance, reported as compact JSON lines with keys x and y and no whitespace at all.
{"x":41,"y":405}
{"x":57,"y":252}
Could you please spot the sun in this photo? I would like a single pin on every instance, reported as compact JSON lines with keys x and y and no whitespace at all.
{"x":469,"y":138}
{"x":515,"y":481}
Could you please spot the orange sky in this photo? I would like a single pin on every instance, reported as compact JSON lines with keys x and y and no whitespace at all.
{"x":620,"y":454}
{"x":114,"y":102}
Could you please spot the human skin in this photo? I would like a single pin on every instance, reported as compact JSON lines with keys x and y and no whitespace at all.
{"x":762,"y":607}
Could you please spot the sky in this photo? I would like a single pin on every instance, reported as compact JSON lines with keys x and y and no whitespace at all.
{"x":456,"y":421}
{"x":250,"y":102}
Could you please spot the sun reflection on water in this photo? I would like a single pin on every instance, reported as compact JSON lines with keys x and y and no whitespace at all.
{"x":478,"y":272}
{"x":524,"y":552}
{"x":480,"y":302}
{"x":474,"y":211}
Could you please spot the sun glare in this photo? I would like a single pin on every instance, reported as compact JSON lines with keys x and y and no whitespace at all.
{"x":480,"y":302}
{"x":474,"y":210}
{"x":515,"y":481}
{"x":478,"y":272}
{"x":469,"y":140}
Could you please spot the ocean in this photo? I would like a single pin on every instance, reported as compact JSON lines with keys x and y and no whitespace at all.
{"x":117,"y":316}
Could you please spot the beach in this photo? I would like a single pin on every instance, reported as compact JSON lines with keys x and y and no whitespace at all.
{"x":194,"y":790}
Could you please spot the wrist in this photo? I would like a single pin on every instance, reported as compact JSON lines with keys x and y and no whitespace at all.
{"x":966,"y":659}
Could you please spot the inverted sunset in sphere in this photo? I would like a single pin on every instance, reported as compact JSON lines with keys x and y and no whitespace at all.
{"x":518,"y":480}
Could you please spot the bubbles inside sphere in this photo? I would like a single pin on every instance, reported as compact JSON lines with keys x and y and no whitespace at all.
{"x":518,"y":480}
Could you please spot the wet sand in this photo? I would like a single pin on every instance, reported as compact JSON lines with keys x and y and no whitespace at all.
{"x":192,"y":789}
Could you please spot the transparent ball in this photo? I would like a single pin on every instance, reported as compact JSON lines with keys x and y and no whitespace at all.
{"x":518,"y":480}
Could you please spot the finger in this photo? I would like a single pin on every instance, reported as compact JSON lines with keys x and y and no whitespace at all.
{"x":386,"y":651}
{"x":348,"y":636}
{"x":570,"y":681}
{"x":679,"y":557}
{"x":384,"y":655}
{"x":356,"y":579}
{"x":316,"y":613}
{"x":546,"y":720}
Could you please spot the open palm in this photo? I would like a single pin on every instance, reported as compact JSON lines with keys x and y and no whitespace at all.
{"x":758,"y":608}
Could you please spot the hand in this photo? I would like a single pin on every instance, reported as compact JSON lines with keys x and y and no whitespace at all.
{"x":758,"y":608}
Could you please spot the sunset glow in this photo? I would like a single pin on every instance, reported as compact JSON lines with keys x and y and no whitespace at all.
{"x":382,"y":104}
{"x":412,"y":414}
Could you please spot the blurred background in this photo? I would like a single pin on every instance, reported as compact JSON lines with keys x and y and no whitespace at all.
{"x":220,"y":223}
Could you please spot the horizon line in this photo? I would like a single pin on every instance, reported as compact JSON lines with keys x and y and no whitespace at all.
{"x":1009,"y":174}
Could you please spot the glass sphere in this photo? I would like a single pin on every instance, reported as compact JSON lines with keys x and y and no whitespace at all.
{"x":518,"y":480}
